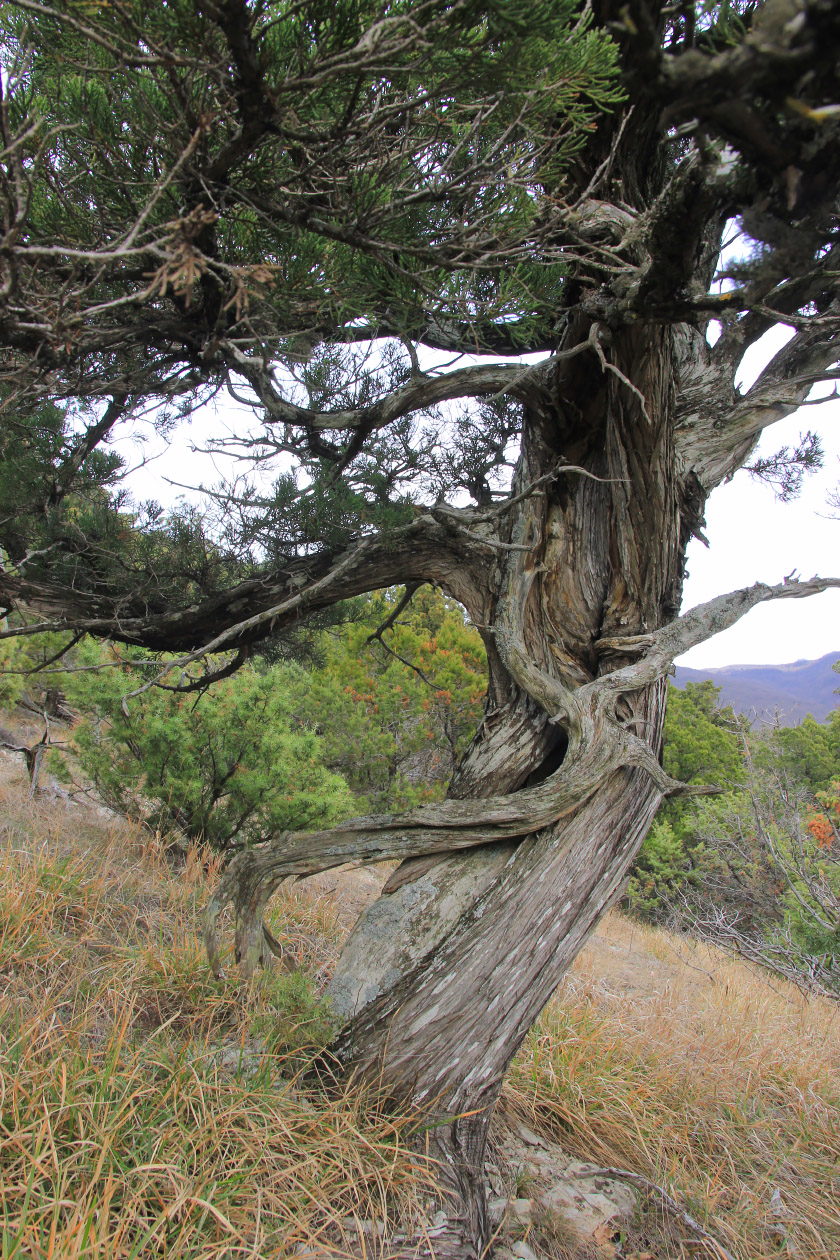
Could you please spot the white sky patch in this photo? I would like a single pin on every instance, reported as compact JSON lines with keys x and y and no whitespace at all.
{"x":753,"y":537}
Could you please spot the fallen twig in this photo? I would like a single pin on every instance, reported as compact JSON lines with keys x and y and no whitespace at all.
{"x":621,"y":1174}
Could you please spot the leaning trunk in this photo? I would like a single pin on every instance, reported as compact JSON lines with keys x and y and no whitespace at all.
{"x":446,"y":972}
{"x":444,"y":1034}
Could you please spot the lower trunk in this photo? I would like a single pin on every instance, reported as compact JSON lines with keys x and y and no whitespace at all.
{"x":449,"y":970}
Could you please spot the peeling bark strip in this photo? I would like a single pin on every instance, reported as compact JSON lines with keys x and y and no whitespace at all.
{"x":285,"y":217}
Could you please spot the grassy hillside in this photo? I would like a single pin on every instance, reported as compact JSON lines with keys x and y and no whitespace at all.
{"x":147,"y":1111}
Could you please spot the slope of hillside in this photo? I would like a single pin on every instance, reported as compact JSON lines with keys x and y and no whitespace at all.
{"x":149,"y":1111}
{"x":760,"y":691}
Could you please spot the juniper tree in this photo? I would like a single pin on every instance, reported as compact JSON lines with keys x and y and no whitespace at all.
{"x":246,"y":197}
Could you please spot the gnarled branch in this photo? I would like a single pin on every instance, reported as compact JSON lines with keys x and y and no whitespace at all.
{"x":600,"y":745}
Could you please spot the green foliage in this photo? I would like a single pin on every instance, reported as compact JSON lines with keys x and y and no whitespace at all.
{"x":813,"y":899}
{"x":660,"y":870}
{"x":394,"y":733}
{"x":700,"y":735}
{"x":751,"y":853}
{"x":12,"y":657}
{"x":772,"y":872}
{"x":66,"y":518}
{"x":371,"y":724}
{"x":21,"y":656}
{"x":54,"y":502}
{"x":735,"y":872}
{"x":758,"y":867}
{"x":294,"y":1015}
{"x":244,"y":184}
{"x":809,"y":752}
{"x":226,"y":766}
{"x":125,"y":116}
{"x":36,"y":467}
{"x":329,"y":511}
{"x":701,"y":745}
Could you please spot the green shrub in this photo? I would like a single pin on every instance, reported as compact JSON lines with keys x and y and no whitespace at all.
{"x":225,"y":765}
{"x":12,"y":656}
{"x":661,"y":867}
{"x":295,"y":1017}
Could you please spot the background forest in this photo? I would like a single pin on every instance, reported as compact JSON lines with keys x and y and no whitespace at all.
{"x":370,"y":714}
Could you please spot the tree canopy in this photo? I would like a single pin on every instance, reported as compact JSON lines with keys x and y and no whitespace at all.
{"x":239,"y":196}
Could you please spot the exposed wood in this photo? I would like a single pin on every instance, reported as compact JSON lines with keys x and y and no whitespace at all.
{"x":33,"y":754}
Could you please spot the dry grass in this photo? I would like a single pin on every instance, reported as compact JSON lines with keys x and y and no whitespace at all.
{"x":146,"y":1110}
{"x":676,"y":1062}
{"x":140,"y":1110}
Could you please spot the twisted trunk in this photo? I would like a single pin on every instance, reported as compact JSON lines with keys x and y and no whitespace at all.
{"x":446,"y":972}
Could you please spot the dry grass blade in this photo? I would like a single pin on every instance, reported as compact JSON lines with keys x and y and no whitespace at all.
{"x":673,"y":1062}
{"x":144,"y":1110}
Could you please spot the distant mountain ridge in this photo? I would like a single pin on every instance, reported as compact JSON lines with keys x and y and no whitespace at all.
{"x":760,"y":691}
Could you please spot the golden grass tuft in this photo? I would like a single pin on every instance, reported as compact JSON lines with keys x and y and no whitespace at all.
{"x":672,"y":1060}
{"x":146,"y":1110}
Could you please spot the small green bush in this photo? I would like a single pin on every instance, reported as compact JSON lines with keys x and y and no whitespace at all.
{"x":661,"y":868}
{"x":225,"y":766}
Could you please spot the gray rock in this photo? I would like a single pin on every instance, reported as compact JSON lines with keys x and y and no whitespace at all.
{"x":496,"y":1207}
{"x":522,"y":1251}
{"x":523,"y":1210}
{"x":584,"y":1199}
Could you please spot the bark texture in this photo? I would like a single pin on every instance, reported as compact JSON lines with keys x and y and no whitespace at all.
{"x":445,"y":974}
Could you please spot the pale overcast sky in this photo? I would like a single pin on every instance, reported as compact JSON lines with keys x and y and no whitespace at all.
{"x":752,"y":536}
